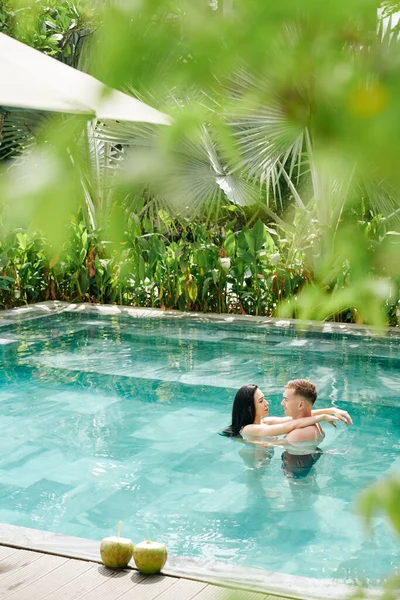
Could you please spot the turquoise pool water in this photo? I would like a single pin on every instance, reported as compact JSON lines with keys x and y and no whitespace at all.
{"x":105,"y":419}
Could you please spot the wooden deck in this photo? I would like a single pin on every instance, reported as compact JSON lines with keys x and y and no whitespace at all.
{"x":28,"y":575}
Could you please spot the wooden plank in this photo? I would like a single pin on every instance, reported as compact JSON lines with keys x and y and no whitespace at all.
{"x":150,"y":587}
{"x":6,"y":551}
{"x":113,"y":587}
{"x":50,"y":582}
{"x":86,"y":582}
{"x":243,"y":595}
{"x":213,"y":592}
{"x":22,"y":558}
{"x":26,"y":575}
{"x":182,"y":589}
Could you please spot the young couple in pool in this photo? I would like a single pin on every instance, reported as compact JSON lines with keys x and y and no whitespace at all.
{"x":300,"y":426}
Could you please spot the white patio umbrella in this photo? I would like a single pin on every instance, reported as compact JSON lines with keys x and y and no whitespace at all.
{"x":32,"y":80}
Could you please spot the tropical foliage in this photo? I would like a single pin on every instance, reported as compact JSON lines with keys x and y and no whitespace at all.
{"x":258,"y":129}
{"x":197,"y":267}
{"x":274,"y":192}
{"x":57,"y":28}
{"x":224,"y":267}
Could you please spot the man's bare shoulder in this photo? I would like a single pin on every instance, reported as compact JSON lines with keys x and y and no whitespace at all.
{"x":305,"y":433}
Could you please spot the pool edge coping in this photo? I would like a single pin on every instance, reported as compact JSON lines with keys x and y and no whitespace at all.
{"x":292,"y":587}
{"x":51,"y":307}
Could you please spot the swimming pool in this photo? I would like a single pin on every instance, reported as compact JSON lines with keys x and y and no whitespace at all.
{"x":106,"y":418}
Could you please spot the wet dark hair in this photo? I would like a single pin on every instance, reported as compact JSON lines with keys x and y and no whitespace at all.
{"x":243,"y":410}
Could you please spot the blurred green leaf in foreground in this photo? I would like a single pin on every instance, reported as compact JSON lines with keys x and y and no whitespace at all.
{"x":384,"y":497}
{"x":288,"y":110}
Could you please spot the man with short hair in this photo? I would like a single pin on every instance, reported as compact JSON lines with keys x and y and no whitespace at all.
{"x":298,"y":399}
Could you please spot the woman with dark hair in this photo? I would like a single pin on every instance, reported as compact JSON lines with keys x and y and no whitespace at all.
{"x":250,"y":408}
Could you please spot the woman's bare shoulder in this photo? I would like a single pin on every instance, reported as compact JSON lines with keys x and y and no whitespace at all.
{"x":256,"y":431}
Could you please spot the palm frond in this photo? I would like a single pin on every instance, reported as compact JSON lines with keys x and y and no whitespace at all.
{"x":18,"y":133}
{"x":383,"y":199}
{"x":100,"y":164}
